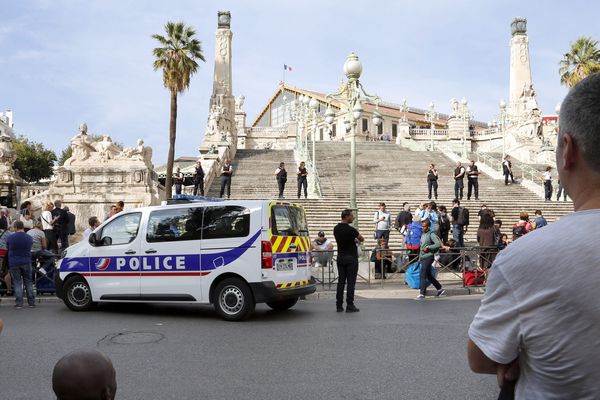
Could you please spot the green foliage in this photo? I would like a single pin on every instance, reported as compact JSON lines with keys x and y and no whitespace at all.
{"x":34,"y":161}
{"x":177,"y":58}
{"x":582,"y":60}
{"x":68,"y":151}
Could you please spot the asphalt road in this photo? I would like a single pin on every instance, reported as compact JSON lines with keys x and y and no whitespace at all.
{"x":392,"y":349}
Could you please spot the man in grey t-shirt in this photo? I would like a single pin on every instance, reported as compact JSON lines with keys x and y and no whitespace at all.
{"x":538,"y":323}
{"x":39,"y":248}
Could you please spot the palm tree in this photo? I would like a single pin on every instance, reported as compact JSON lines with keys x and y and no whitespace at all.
{"x":177,"y":59}
{"x":581,"y":61}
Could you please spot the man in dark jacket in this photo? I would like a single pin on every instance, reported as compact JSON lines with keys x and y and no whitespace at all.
{"x":61,"y":226}
{"x":70,"y":221}
{"x":281,"y":176}
{"x":198,"y":179}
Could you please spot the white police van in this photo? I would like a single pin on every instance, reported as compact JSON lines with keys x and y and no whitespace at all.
{"x":232,"y":254}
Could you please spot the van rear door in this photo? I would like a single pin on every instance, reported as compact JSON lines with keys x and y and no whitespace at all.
{"x":290,"y":244}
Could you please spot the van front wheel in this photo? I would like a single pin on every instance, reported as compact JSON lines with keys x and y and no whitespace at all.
{"x":233,"y":300}
{"x":78,"y":296}
{"x":282,"y":305}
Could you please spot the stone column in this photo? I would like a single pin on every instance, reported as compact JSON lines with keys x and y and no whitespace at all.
{"x":520,"y":69}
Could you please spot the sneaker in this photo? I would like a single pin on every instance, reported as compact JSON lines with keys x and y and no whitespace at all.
{"x":352,"y":308}
{"x":420,"y":297}
{"x":440,"y":292}
{"x":340,"y":309}
{"x":18,"y":305}
{"x":31,"y":306}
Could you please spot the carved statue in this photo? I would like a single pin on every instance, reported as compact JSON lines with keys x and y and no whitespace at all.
{"x":106,"y":149}
{"x":223,"y":137}
{"x":139,"y":152}
{"x":239,"y":102}
{"x":454,"y":106}
{"x":83,"y":128}
{"x":81,"y":146}
{"x":212,"y":149}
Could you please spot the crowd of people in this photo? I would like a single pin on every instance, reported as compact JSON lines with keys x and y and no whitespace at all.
{"x":30,"y":244}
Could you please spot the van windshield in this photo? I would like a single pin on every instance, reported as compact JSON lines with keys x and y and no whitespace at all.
{"x":288,"y":221}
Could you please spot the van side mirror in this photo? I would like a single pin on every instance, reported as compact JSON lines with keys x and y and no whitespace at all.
{"x":92,"y":239}
{"x":106,"y":241}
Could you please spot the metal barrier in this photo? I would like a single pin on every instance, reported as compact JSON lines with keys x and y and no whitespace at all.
{"x":39,"y":279}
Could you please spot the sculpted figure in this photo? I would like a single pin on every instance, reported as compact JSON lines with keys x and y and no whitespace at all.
{"x":81,"y":146}
{"x":239,"y":102}
{"x":106,"y":149}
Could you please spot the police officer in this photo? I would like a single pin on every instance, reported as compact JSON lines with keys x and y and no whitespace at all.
{"x":432,"y":177}
{"x":473,"y":180}
{"x":281,"y":176}
{"x":302,"y":182}
{"x":459,"y":185}
{"x":226,"y":171}
{"x":199,"y":179}
{"x":178,"y":179}
{"x":346,"y":238}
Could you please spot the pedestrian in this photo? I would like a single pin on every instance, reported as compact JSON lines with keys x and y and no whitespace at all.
{"x":60,"y":226}
{"x":302,"y":173}
{"x":48,"y":225}
{"x":433,"y":216}
{"x":84,"y":375}
{"x":561,"y":190}
{"x":523,"y":226}
{"x":507,"y":170}
{"x":403,"y":219}
{"x":346,"y":238}
{"x":460,"y":222}
{"x":503,"y":241}
{"x":198,"y":179}
{"x":226,"y":173}
{"x":432,"y":178}
{"x":382,"y":257}
{"x":472,"y":181}
{"x":538,"y":322}
{"x":459,"y":184}
{"x":444,"y":224}
{"x":539,"y":221}
{"x":4,"y":272}
{"x":322,"y":250}
{"x":26,"y":215}
{"x":71,"y":222}
{"x":111,"y":212}
{"x":93,"y":223}
{"x":19,"y":264}
{"x":39,"y":248}
{"x":178,"y":180}
{"x":430,"y":244}
{"x":383,"y":223}
{"x":281,"y":177}
{"x":488,"y":238}
{"x":547,"y":177}
{"x":4,"y":222}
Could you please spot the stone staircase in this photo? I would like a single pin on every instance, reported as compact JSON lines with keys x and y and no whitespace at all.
{"x":385,"y":172}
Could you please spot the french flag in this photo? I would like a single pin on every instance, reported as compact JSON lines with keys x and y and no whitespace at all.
{"x":287,"y":68}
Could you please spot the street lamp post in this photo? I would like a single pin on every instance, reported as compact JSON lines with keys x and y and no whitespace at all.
{"x":503,"y":126}
{"x":352,"y":95}
{"x":431,"y":115}
{"x":464,"y":112}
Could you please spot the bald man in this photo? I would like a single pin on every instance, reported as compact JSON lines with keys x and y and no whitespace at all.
{"x":84,"y":375}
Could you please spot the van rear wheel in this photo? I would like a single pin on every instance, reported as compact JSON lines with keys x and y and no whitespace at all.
{"x":233,"y":300}
{"x":78,"y":296}
{"x":282,"y":305}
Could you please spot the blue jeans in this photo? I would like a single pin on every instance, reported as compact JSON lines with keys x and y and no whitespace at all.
{"x":20,"y":274}
{"x":458,"y":234}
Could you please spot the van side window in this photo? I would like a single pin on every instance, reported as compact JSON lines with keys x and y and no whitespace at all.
{"x":175,"y":224}
{"x":225,"y":222}
{"x":121,"y":230}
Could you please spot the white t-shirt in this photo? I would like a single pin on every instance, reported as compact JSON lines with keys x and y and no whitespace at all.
{"x":46,"y":216}
{"x":547,"y":176}
{"x":386,"y":223}
{"x":87,"y":233}
{"x":541,"y":304}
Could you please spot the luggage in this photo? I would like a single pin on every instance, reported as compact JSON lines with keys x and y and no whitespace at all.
{"x":413,"y":236}
{"x":412,"y":276}
{"x":474,"y":278}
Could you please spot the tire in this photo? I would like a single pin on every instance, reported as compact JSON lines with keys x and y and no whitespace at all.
{"x":78,"y":295}
{"x":283,"y":305}
{"x":233,"y":300}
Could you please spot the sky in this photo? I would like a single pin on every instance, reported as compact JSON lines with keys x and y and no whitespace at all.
{"x":63,"y":62}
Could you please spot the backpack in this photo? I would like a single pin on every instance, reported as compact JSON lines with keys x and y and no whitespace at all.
{"x":474,"y":278}
{"x":412,"y":276}
{"x":518,"y":231}
{"x":413,"y":236}
{"x":463,"y":216}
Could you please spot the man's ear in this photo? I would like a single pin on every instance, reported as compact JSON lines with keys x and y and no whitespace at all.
{"x":106,"y":394}
{"x":569,"y":151}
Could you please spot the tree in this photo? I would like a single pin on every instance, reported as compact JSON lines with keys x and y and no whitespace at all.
{"x":581,"y":61}
{"x":177,"y":59}
{"x":34,"y":161}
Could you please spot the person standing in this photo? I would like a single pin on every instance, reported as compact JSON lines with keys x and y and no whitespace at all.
{"x":48,"y":225}
{"x":93,"y":224}
{"x":19,"y":264}
{"x":403,"y":219}
{"x":178,"y":180}
{"x":71,"y":230}
{"x":302,"y":174}
{"x":486,"y":237}
{"x":281,"y":177}
{"x":430,"y":244}
{"x":4,"y":271}
{"x":561,"y":190}
{"x":346,"y":238}
{"x":547,"y":177}
{"x":538,"y":322}
{"x":472,"y":181}
{"x":444,"y":224}
{"x":432,"y":178}
{"x":60,"y":226}
{"x":226,"y":172}
{"x":459,"y":184}
{"x":459,"y":225}
{"x":507,"y":170}
{"x":383,"y":222}
{"x":198,"y":179}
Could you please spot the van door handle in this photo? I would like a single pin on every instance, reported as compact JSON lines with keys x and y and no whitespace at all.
{"x":130,"y":252}
{"x":150,"y":251}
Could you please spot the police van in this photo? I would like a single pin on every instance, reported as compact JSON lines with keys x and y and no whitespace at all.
{"x":232,"y":254}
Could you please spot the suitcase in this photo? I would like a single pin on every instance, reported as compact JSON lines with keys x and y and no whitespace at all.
{"x":412,"y":276}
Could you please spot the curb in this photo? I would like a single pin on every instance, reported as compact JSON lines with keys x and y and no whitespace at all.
{"x":396,"y":293}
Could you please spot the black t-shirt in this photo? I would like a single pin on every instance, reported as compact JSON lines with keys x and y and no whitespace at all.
{"x":63,"y":221}
{"x":455,"y":215}
{"x":345,"y":234}
{"x":404,"y":218}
